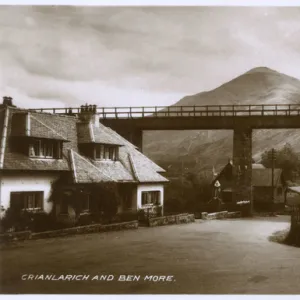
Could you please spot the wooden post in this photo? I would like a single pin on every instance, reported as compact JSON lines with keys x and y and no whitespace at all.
{"x":273,"y":165}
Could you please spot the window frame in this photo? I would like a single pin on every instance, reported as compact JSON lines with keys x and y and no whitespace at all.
{"x":151,"y":198}
{"x":45,"y":149}
{"x":106,"y":152}
{"x":34,"y":203}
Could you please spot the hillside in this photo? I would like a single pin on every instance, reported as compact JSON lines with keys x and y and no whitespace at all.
{"x":203,"y":149}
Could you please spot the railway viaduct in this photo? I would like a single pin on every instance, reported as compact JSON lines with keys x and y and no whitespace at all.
{"x":130,"y":122}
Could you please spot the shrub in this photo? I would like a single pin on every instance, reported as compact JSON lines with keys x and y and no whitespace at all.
{"x":84,"y":219}
{"x":127,"y":216}
{"x":42,"y":221}
{"x":36,"y":221}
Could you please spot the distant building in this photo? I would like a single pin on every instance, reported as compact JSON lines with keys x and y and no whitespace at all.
{"x":261,"y":186}
{"x":42,"y":154}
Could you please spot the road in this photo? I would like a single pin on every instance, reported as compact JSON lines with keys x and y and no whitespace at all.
{"x":211,"y":257}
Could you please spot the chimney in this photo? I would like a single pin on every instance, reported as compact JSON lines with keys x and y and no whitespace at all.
{"x":7,"y":101}
{"x":88,"y":114}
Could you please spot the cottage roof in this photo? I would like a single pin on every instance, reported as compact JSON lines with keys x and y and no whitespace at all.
{"x":85,"y":172}
{"x":89,"y":133}
{"x":258,"y":166}
{"x":132,"y":166}
{"x":143,"y":169}
{"x":13,"y":160}
{"x":263,"y":177}
{"x":260,"y":176}
{"x":32,"y":125}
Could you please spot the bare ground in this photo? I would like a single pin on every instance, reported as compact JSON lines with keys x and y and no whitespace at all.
{"x":212,"y":257}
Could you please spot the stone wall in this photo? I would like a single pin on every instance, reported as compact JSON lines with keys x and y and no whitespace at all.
{"x":174,"y":219}
{"x":221,"y":215}
{"x":28,"y":235}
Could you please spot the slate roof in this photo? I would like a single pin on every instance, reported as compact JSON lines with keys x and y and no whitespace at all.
{"x":40,"y":130}
{"x":85,"y":172}
{"x":32,"y":125}
{"x":143,"y":169}
{"x":65,"y":125}
{"x":88,"y":133}
{"x":132,"y":165}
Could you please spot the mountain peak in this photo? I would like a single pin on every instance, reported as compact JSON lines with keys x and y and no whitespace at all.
{"x":261,"y":70}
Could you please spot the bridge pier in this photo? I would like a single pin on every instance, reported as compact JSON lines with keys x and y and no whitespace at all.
{"x":242,"y":165}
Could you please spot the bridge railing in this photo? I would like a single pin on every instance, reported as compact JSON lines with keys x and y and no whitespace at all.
{"x":185,"y":111}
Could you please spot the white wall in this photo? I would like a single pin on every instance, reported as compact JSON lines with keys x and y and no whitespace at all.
{"x":26,"y":183}
{"x":149,"y":187}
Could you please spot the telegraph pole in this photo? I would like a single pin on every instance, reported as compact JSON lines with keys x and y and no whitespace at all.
{"x":273,"y":158}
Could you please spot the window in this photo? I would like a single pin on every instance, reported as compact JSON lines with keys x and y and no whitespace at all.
{"x":43,"y":148}
{"x":106,"y":152}
{"x":111,"y":153}
{"x":27,"y":200}
{"x":152,"y":197}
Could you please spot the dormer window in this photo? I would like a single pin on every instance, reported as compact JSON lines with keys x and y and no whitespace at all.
{"x":44,"y":148}
{"x":106,"y":152}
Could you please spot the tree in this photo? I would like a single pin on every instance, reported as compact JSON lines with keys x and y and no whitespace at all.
{"x":188,"y":194}
{"x":286,"y":159}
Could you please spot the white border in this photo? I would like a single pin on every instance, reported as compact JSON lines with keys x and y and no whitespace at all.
{"x":155,"y":2}
{"x":249,"y":3}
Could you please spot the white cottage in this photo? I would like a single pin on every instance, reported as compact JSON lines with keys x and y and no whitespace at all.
{"x":49,"y":162}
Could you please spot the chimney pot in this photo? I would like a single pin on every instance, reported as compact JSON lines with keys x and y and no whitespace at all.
{"x":7,"y":101}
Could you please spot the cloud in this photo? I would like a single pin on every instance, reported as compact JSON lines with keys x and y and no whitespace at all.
{"x":142,"y":56}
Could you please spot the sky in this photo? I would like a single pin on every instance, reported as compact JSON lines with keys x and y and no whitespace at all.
{"x":63,"y":56}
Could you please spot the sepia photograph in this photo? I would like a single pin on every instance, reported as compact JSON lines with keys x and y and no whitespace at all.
{"x":150,"y":148}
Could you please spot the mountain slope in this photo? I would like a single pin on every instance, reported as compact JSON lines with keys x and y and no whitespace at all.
{"x":206,"y":148}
